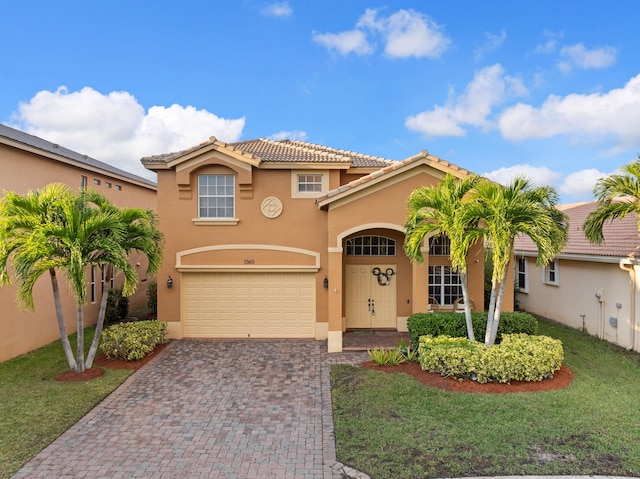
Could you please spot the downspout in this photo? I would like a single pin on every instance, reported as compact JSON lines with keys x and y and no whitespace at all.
{"x":628,"y":265}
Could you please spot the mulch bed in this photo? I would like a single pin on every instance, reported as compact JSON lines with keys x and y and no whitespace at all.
{"x":561,"y":379}
{"x":101,"y":361}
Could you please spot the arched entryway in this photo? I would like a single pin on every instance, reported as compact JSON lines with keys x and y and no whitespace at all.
{"x":376,"y":278}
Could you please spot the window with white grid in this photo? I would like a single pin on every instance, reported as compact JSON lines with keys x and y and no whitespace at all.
{"x":216,"y":196}
{"x":444,"y":284}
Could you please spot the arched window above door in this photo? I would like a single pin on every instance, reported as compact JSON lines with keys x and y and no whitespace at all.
{"x":370,"y":245}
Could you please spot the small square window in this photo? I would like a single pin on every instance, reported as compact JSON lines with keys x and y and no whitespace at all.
{"x":107,"y":184}
{"x":118,"y":187}
{"x":96,"y":181}
{"x":309,"y":183}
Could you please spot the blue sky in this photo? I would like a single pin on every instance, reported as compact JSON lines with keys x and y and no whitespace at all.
{"x":549,"y":89}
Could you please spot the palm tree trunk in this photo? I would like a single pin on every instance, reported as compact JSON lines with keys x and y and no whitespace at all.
{"x":467,"y":306}
{"x":66,"y":345}
{"x":101,"y":314}
{"x":80,"y":346}
{"x":491,"y":312}
{"x":496,"y":314}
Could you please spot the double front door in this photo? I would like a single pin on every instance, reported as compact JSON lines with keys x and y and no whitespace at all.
{"x":370,"y":296}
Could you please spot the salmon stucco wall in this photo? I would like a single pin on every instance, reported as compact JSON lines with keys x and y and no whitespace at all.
{"x":300,"y":225}
{"x":24,"y":331}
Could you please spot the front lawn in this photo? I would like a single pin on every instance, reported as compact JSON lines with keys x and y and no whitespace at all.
{"x":390,"y":426}
{"x":35,"y":408}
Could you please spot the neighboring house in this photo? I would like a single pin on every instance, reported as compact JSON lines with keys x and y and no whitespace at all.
{"x":287,"y":239}
{"x":590,"y":287}
{"x":29,"y":163}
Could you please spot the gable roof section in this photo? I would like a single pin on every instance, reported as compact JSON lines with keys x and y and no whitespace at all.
{"x":272,"y":152}
{"x":389,"y":171}
{"x":620,"y":237}
{"x":24,"y":141}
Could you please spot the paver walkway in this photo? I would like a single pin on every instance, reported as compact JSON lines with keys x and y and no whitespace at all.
{"x":209,"y":409}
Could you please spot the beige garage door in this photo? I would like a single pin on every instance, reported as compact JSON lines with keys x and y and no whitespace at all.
{"x":249,"y":305}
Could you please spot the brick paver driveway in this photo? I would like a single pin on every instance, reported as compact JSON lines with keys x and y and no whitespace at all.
{"x":209,"y":409}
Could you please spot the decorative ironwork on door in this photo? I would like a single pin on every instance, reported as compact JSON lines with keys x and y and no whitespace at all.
{"x":383,"y":278}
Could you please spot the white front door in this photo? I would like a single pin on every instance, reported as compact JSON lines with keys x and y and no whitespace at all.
{"x":370,"y":299}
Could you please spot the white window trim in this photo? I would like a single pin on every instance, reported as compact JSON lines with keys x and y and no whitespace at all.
{"x":525,"y":289}
{"x":308,"y":194}
{"x":205,"y":220}
{"x":545,"y":274}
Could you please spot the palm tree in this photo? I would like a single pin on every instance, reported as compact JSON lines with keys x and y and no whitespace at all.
{"x":438,"y":210}
{"x":20,"y":219}
{"x":505,"y":212}
{"x":58,"y":229}
{"x":617,"y":195}
{"x":141,"y":234}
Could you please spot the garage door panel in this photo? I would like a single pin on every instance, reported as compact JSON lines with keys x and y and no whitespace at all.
{"x":257,"y":305}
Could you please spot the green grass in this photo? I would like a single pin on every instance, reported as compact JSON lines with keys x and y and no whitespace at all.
{"x":390,"y":426}
{"x":35,"y":408}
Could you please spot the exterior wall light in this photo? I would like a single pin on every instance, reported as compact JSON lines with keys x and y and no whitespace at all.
{"x":325,"y":282}
{"x":170,"y":282}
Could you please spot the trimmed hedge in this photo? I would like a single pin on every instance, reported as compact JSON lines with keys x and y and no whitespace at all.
{"x":453,"y":325}
{"x":519,"y":357}
{"x":132,"y":341}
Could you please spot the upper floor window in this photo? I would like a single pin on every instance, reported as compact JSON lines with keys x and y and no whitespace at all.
{"x":439,"y":245}
{"x":371,"y":246}
{"x":83,"y":181}
{"x":216,"y":196}
{"x":107,"y":184}
{"x":96,"y":181}
{"x":522,"y":280}
{"x":310,"y":183}
{"x":118,"y":187}
{"x":550,"y":273}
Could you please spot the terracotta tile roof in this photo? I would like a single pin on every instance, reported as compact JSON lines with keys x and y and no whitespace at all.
{"x":391,"y":167}
{"x":283,"y":151}
{"x":621,"y":237}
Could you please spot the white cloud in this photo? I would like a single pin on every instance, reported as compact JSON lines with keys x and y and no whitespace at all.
{"x":289,"y":135}
{"x":572,"y":187}
{"x":579,"y":184}
{"x":352,"y":41}
{"x":114,"y":128}
{"x":278,"y":10}
{"x":405,"y":33}
{"x":491,"y":43}
{"x":539,"y":175}
{"x":578,"y":56}
{"x":489,"y":87}
{"x":551,"y":43}
{"x":613,"y":115}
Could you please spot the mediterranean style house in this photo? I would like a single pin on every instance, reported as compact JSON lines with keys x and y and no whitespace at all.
{"x":287,"y":239}
{"x":29,"y":163}
{"x":588,"y":287}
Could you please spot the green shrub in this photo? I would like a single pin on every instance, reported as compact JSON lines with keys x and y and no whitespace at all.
{"x":450,"y":357}
{"x":454,"y":325}
{"x":123,"y":307}
{"x":132,"y":341}
{"x":111,"y":313}
{"x":152,"y":298}
{"x":401,"y":353}
{"x":117,"y":306}
{"x":521,"y":357}
{"x":518,"y":357}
